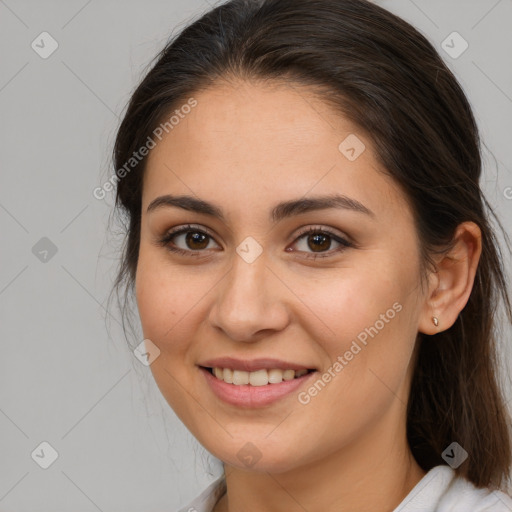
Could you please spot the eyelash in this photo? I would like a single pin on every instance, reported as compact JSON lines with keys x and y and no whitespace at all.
{"x":166,"y":239}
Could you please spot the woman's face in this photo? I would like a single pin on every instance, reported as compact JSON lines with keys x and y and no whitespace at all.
{"x":252,"y":285}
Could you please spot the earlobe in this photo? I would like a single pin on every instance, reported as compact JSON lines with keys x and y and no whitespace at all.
{"x":453,"y":280}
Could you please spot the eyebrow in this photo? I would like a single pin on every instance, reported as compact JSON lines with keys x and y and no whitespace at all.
{"x":279,"y":212}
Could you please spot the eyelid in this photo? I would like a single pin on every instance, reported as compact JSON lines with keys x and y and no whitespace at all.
{"x":324,"y":229}
{"x":189,"y":227}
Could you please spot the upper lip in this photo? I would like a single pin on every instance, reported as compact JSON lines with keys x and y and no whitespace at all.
{"x":252,"y":365}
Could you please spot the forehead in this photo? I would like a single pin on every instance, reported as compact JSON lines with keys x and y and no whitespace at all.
{"x":244,"y":142}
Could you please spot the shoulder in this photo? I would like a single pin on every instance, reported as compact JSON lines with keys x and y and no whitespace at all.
{"x":441,"y":490}
{"x":208,"y":498}
{"x":461,"y":496}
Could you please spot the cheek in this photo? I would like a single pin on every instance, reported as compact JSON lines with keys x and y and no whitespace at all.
{"x":172,"y":302}
{"x":152,"y":302}
{"x":349,"y":300}
{"x":366,"y":316}
{"x":160,"y":298}
{"x":165,"y":310}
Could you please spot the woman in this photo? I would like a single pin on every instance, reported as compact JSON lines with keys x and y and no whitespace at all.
{"x":313,"y":264}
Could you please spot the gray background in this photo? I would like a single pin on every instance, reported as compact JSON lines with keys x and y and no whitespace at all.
{"x":64,"y":378}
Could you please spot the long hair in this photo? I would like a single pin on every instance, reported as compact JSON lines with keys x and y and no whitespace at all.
{"x":383,"y":75}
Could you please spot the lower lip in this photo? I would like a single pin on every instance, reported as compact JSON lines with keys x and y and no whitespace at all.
{"x":249,"y":396}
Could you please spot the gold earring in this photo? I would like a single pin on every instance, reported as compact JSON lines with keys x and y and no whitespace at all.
{"x":435,"y":320}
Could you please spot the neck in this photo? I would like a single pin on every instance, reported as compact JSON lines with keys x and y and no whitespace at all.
{"x":373,"y":474}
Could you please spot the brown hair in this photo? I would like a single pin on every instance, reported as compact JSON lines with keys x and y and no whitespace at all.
{"x":385,"y":77}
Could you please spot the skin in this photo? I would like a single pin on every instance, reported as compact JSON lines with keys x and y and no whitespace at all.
{"x":246,"y":147}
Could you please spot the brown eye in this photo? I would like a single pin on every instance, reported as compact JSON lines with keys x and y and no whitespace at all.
{"x":316,"y":242}
{"x":196,"y":240}
{"x":319,"y":242}
{"x":188,"y":241}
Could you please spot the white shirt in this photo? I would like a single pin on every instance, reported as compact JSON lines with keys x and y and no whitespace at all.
{"x":440,"y":490}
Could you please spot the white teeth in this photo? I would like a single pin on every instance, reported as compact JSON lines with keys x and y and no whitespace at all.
{"x":228,"y":376}
{"x":257,"y":378}
{"x":276,"y":376}
{"x":240,"y":377}
{"x":289,"y":374}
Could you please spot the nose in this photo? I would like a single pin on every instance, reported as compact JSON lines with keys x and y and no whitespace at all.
{"x":250,"y":301}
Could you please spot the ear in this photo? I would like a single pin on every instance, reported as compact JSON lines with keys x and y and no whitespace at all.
{"x":451,"y":285}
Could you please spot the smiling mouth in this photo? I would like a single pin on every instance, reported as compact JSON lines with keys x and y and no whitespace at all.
{"x":257,"y":378}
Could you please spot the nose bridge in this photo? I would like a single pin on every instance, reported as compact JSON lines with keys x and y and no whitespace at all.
{"x":248,"y":298}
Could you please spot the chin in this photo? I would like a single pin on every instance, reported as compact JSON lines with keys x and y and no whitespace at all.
{"x":259,"y":455}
